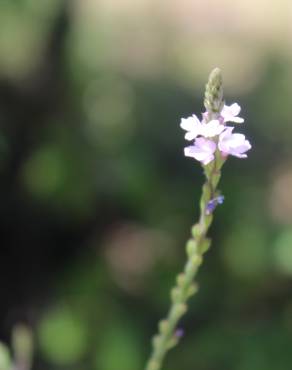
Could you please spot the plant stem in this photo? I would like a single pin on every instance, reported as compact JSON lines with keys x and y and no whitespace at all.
{"x":186,"y":286}
{"x":168,"y":333}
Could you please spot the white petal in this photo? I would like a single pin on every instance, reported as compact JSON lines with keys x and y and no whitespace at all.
{"x":229,"y":113}
{"x":226,"y":133}
{"x":188,"y":151}
{"x":191,"y":135}
{"x":238,"y":155}
{"x":234,"y":109}
{"x":204,"y":157}
{"x":208,"y":159}
{"x":203,"y":150}
{"x":189,"y":123}
{"x":195,"y":152}
{"x":235,"y":119}
{"x":233,"y":144}
{"x":212,"y":128}
{"x":205,"y":144}
{"x":186,"y":124}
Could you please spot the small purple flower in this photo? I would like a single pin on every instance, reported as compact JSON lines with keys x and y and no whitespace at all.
{"x":203,"y":150}
{"x":213,"y":203}
{"x":233,"y":144}
{"x":192,"y":125}
{"x":212,"y":128}
{"x":213,"y":135}
{"x":179,"y":333}
{"x":196,"y":128}
{"x":229,"y":113}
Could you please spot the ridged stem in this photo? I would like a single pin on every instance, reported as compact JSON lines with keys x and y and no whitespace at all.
{"x":186,"y":285}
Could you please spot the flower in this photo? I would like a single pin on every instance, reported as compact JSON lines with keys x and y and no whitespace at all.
{"x":229,"y":113}
{"x":196,"y":128}
{"x":214,"y":135}
{"x":179,"y":333}
{"x":192,"y":125}
{"x":233,"y":144}
{"x":203,"y":150}
{"x":213,"y":203}
{"x":212,"y":128}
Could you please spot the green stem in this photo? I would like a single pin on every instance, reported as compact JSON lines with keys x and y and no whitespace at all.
{"x":198,"y":243}
{"x":185,"y":285}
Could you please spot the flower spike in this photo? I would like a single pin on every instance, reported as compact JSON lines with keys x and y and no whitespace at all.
{"x":213,"y":141}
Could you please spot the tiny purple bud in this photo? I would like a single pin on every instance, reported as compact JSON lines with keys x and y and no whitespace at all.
{"x":212,"y":204}
{"x":220,"y":199}
{"x":179,"y":333}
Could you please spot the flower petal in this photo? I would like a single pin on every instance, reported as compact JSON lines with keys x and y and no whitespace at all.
{"x":233,"y":144}
{"x":189,"y":123}
{"x":192,"y":125}
{"x":202,"y":150}
{"x":191,"y":135}
{"x":235,"y":109}
{"x":212,"y":128}
{"x":229,"y":113}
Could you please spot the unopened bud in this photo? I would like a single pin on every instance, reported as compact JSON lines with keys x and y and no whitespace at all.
{"x":214,"y":93}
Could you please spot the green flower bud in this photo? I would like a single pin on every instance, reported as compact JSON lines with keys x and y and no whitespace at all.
{"x":192,"y":289}
{"x":197,"y":260}
{"x":214,"y":93}
{"x":196,"y":231}
{"x":180,"y":309}
{"x":180,"y":279}
{"x":204,"y":245}
{"x":191,"y":247}
{"x":163,"y":326}
{"x":175,"y":294}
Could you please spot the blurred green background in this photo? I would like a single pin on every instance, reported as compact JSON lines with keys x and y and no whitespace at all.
{"x":97,"y":199}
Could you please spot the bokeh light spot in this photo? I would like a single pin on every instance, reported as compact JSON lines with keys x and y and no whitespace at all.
{"x":62,"y":336}
{"x":283,"y":252}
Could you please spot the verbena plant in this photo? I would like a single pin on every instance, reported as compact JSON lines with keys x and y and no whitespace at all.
{"x":213,"y":141}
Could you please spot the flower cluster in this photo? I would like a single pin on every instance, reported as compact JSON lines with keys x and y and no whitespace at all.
{"x":210,"y":135}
